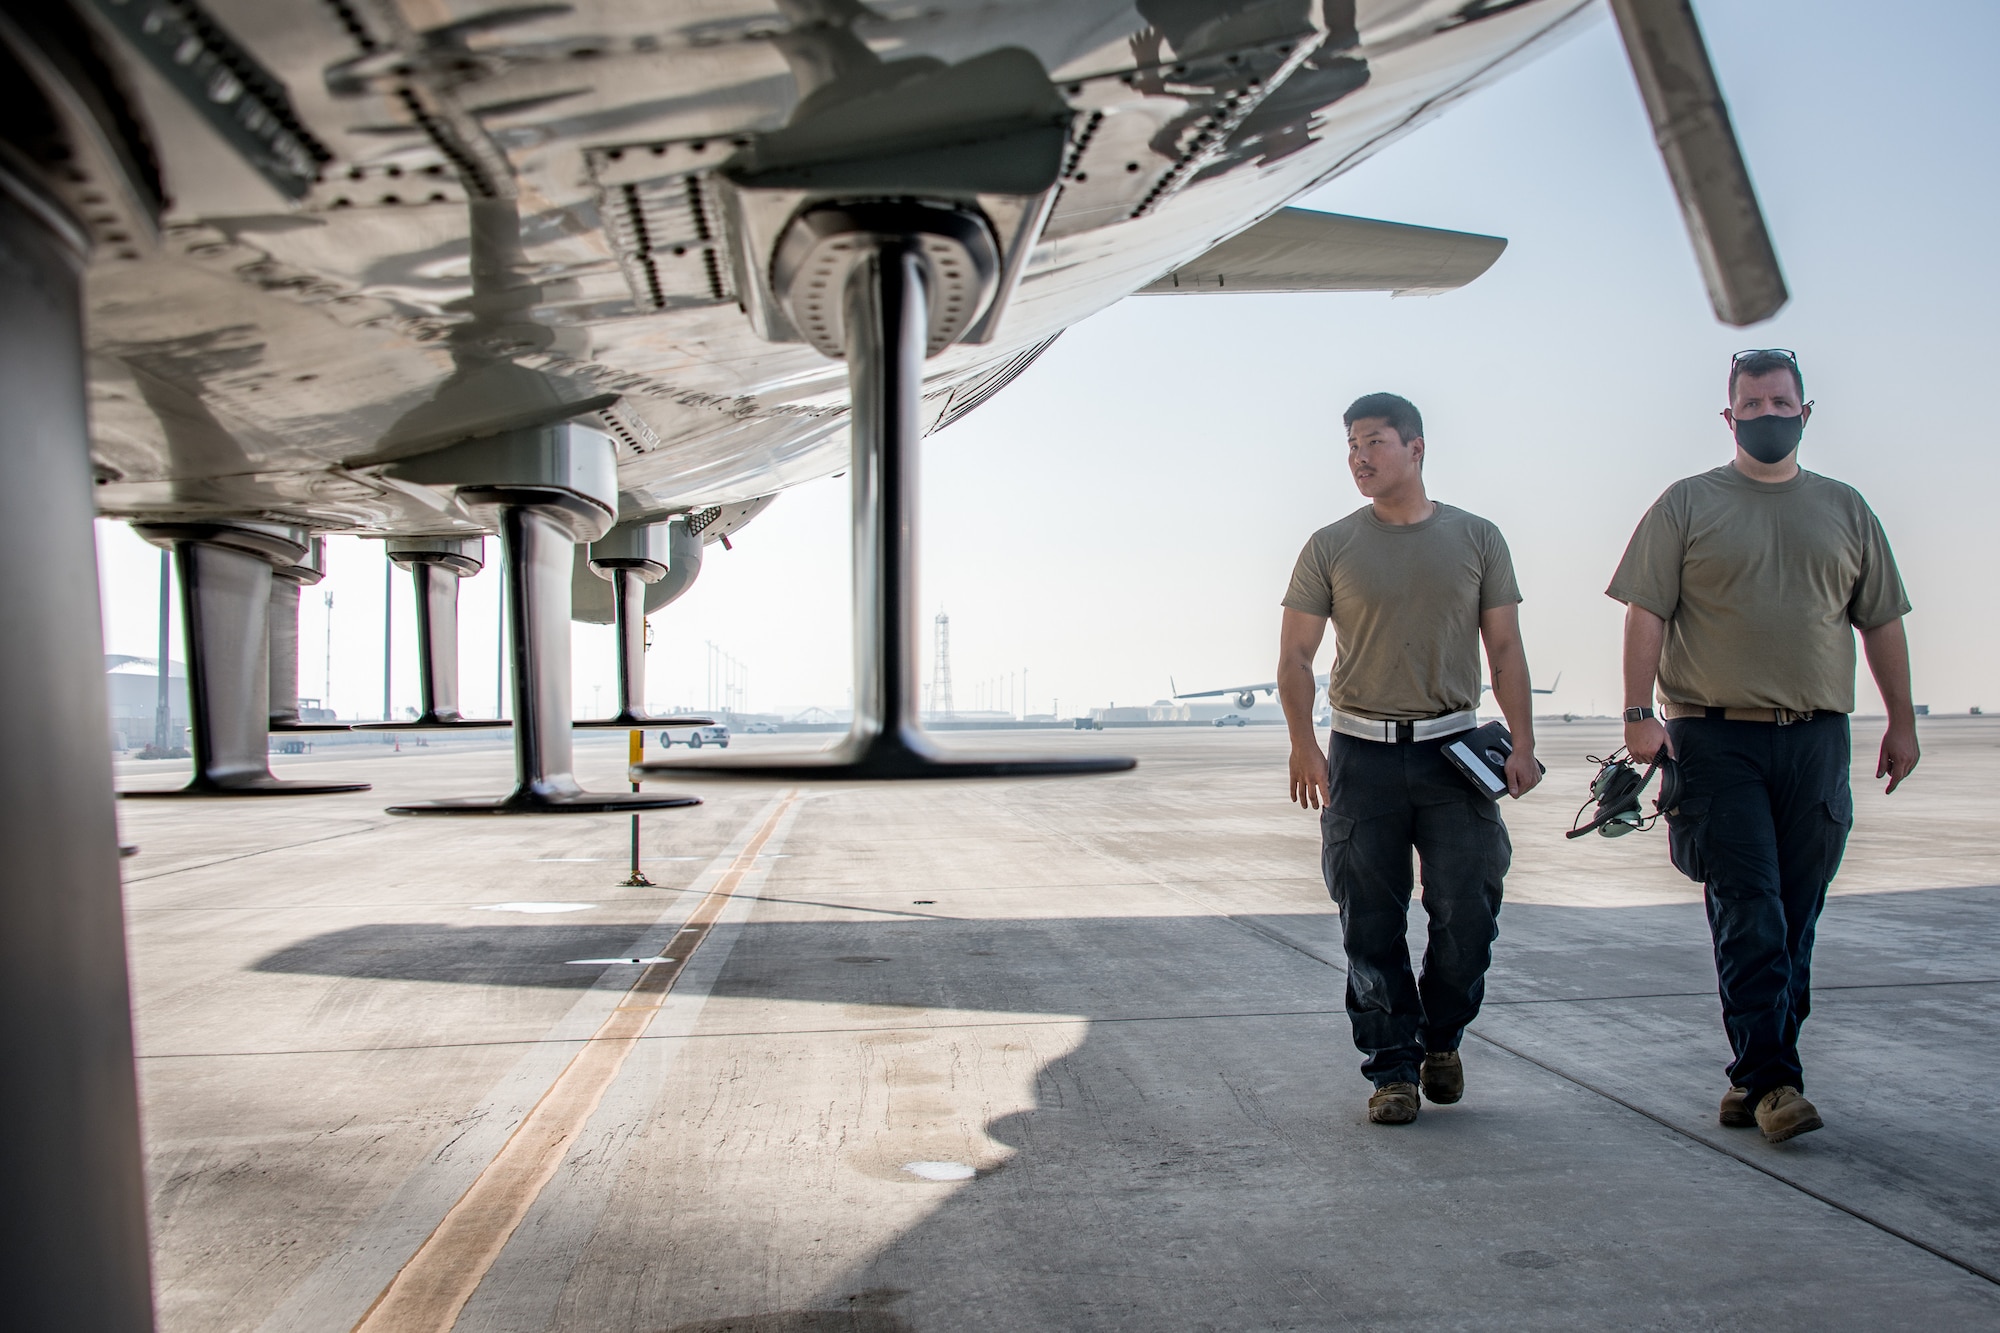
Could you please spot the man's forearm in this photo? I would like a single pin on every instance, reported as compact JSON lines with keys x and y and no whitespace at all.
{"x":1515,"y":695}
{"x":1295,"y":696}
{"x":1645,"y":636}
{"x":1888,"y":652}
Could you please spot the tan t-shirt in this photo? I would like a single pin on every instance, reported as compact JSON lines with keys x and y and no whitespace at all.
{"x":1759,"y":583}
{"x":1405,"y":603}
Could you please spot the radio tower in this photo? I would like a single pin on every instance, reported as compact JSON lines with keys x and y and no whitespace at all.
{"x":941,"y":668}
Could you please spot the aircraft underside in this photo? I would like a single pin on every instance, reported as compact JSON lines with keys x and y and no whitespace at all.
{"x":569,"y":213}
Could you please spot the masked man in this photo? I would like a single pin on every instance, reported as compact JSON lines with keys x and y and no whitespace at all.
{"x":1412,"y":587}
{"x":1743,"y":587}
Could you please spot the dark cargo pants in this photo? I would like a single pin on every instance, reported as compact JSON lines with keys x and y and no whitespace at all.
{"x":1764,"y":816}
{"x":1384,"y":802}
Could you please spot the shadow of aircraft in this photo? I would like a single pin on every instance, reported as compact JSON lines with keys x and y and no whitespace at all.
{"x":1199,"y":1159}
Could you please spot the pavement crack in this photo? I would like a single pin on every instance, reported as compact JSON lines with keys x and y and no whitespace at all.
{"x":261,"y":851}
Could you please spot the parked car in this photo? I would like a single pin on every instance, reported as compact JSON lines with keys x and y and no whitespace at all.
{"x":1087,"y":724}
{"x":1232,"y":720}
{"x":760,"y":728}
{"x":696,"y":737}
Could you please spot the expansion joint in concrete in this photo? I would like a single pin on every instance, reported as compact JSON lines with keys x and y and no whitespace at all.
{"x":1886,"y":1228}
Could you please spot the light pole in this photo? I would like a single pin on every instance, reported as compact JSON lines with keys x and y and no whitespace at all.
{"x":326,"y":673}
{"x":500,"y":652}
{"x":388,"y":624}
{"x":163,"y":712}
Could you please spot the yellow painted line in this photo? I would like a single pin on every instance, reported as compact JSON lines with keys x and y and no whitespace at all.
{"x":430,"y":1290}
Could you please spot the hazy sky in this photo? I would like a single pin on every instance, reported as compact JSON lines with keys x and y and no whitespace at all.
{"x":1130,"y":508}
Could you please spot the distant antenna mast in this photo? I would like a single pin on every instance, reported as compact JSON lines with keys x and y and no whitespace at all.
{"x":941,"y":669}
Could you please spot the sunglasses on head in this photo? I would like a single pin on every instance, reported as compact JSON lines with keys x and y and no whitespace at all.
{"x":1749,"y":352}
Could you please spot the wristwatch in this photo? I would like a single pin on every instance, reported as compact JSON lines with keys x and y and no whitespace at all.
{"x":1639,"y":714}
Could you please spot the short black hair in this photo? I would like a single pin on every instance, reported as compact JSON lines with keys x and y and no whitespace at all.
{"x":1398,"y":411}
{"x":1764,"y":363}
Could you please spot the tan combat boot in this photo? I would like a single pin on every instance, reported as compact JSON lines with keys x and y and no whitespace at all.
{"x":1393,"y":1104}
{"x":1736,"y":1111}
{"x":1444,"y":1077}
{"x":1784,"y":1113}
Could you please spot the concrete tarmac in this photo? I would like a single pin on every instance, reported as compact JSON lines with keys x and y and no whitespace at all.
{"x":1056,"y":1054}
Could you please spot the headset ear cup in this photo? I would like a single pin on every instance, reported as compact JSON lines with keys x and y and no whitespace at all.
{"x":1669,"y":799}
{"x":1618,"y":790}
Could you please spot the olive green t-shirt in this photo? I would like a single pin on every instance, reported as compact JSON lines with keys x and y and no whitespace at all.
{"x":1405,"y":603}
{"x":1761,"y":585}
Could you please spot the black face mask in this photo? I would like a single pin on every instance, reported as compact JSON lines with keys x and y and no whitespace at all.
{"x":1769,"y":439}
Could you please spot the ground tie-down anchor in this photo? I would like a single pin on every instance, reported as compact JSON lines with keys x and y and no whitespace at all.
{"x":635,"y":751}
{"x":885,"y":285}
{"x":634,"y":556}
{"x":226,"y":572}
{"x":545,"y":489}
{"x":436,"y":564}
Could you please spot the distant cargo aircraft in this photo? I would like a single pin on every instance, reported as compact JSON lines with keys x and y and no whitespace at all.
{"x":1246,"y":695}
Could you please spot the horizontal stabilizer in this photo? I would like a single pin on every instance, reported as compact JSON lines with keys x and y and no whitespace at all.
{"x":1299,"y":250}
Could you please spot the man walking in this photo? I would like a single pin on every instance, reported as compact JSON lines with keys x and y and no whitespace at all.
{"x":1411,"y":586}
{"x":1743,"y":587}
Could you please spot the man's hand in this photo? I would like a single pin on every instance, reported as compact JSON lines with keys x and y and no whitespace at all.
{"x":1899,"y":754}
{"x":1647,"y":738}
{"x":1523,"y":773}
{"x":1309,"y":777}
{"x":1888,"y":651}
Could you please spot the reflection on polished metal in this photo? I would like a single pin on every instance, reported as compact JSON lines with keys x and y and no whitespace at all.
{"x":545,"y":490}
{"x":225,"y":572}
{"x":285,"y":584}
{"x":822,"y":248}
{"x":73,"y":1232}
{"x":886,"y":326}
{"x":633,"y":555}
{"x":436,"y":564}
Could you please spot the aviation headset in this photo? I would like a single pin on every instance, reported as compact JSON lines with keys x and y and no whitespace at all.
{"x":1617,"y":788}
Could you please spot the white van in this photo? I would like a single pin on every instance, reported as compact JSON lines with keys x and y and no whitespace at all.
{"x":696,"y":737}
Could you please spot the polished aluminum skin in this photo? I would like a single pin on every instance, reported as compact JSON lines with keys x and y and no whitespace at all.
{"x":551,"y":212}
